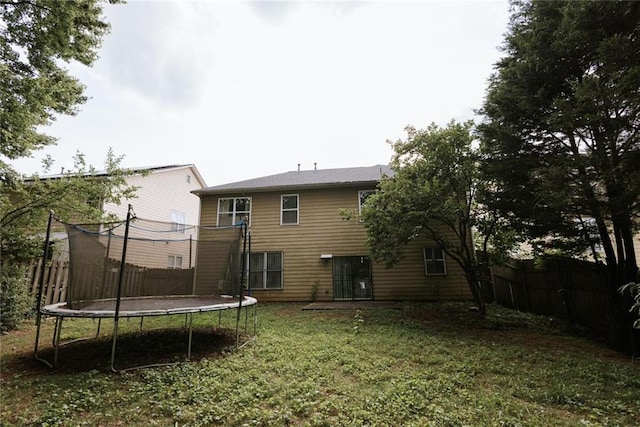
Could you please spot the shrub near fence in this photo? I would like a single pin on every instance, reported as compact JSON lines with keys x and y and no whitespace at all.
{"x":565,"y":288}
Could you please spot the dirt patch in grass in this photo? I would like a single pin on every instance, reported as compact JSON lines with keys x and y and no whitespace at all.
{"x":132,"y":349}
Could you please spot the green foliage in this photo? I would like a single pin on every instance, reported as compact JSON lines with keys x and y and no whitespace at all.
{"x":561,"y":135}
{"x":634,"y":290}
{"x":36,"y":37}
{"x":15,"y":301}
{"x":433,"y":195}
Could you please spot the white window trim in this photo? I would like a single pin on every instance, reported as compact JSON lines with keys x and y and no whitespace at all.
{"x":297,"y":209}
{"x":235,"y":220}
{"x":443,"y":260}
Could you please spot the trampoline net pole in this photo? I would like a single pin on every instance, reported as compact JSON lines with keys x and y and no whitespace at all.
{"x":242,"y":276}
{"x":119,"y":294}
{"x":45,"y":257}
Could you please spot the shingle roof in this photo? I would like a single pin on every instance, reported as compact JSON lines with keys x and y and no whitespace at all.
{"x":133,"y":170}
{"x":306,"y":178}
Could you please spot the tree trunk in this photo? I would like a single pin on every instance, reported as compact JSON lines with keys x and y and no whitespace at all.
{"x":622,"y":335}
{"x":476,"y":291}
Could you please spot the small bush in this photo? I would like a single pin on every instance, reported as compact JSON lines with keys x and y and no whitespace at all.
{"x":634,"y":290}
{"x":15,"y":301}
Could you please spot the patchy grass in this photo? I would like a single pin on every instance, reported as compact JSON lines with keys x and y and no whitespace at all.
{"x":426,"y":364}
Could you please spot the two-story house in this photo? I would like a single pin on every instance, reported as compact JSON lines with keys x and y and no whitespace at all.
{"x":302,"y":248}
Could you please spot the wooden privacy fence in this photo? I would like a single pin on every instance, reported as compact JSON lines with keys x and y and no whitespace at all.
{"x":565,"y":288}
{"x":56,"y":277}
{"x":139,"y":281}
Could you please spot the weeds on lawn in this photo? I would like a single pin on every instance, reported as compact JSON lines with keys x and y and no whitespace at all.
{"x":426,"y":364}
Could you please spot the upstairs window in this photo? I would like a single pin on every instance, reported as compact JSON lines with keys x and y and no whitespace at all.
{"x":178,"y":221}
{"x":233,"y":210}
{"x":362,"y":197}
{"x":434,"y":264}
{"x":289,"y":209}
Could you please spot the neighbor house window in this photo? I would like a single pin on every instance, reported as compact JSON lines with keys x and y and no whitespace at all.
{"x":434,"y":261}
{"x":178,"y":220}
{"x":362,"y":197}
{"x":174,"y":261}
{"x":265,"y":270}
{"x":233,"y":210}
{"x":289,"y":209}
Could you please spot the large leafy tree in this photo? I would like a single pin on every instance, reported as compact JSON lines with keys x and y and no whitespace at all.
{"x":36,"y":38}
{"x":561,"y":132}
{"x":433,"y":195}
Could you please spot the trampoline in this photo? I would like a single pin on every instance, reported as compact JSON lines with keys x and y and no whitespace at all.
{"x":120,"y":270}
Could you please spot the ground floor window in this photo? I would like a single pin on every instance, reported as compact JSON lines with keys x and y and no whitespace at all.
{"x":265,"y":270}
{"x":434,"y":264}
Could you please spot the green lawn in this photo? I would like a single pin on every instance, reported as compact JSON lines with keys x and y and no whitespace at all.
{"x":426,"y":364}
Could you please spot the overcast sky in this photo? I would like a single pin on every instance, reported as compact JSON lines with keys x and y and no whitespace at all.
{"x":248,"y":89}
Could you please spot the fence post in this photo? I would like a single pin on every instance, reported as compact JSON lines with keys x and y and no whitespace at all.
{"x":36,"y":271}
{"x":525,"y":289}
{"x":564,"y":290}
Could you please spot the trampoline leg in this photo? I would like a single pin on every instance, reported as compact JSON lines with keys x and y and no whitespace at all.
{"x":55,"y":332}
{"x":238,"y":327}
{"x":35,"y":349}
{"x":190,"y":316}
{"x":113,"y":344}
{"x":255,"y":319}
{"x":56,"y":345}
{"x":141,"y":320}
{"x":99,"y":324}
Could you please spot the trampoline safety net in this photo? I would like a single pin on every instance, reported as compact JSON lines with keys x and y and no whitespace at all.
{"x":156,"y":259}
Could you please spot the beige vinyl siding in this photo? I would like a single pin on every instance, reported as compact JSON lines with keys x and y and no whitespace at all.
{"x":142,"y":252}
{"x":321,"y":230}
{"x":158,"y":194}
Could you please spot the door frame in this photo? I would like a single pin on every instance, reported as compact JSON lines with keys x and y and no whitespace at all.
{"x":352,"y":278}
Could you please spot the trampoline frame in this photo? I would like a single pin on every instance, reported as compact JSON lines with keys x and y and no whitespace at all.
{"x":156,"y":306}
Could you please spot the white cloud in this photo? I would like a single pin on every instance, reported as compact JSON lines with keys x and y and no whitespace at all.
{"x":248,"y":89}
